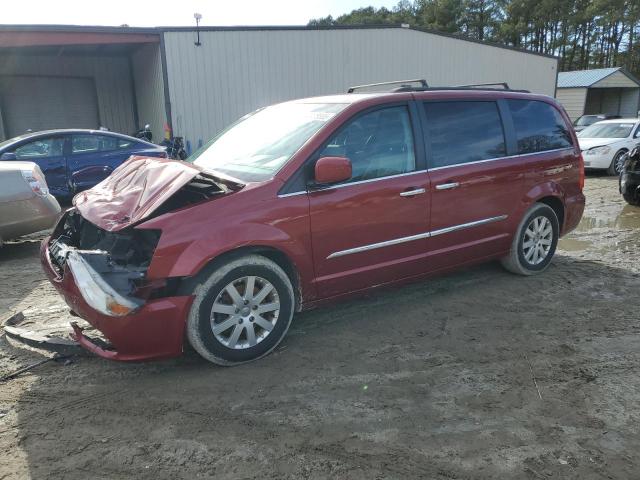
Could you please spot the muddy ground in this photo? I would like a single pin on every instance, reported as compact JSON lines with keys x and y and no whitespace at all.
{"x":431,"y":381}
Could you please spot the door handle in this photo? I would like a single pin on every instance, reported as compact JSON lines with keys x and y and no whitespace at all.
{"x":447,"y":186}
{"x":411,"y":193}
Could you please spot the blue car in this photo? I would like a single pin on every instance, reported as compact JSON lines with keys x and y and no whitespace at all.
{"x":75,"y":160}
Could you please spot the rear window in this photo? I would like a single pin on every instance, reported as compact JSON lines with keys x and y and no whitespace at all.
{"x":539,"y":126}
{"x":463,"y":132}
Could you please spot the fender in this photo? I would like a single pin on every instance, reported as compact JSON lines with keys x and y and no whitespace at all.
{"x":191,"y":238}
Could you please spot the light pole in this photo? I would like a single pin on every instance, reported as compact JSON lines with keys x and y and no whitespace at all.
{"x":198,"y":17}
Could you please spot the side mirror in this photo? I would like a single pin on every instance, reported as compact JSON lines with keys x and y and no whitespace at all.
{"x":332,"y":170}
{"x":8,"y":156}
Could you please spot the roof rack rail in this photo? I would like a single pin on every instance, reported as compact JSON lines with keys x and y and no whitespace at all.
{"x":404,"y":84}
{"x":504,"y":85}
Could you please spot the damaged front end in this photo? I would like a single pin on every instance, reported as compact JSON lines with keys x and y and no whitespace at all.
{"x":108,"y":267}
{"x":99,"y":255}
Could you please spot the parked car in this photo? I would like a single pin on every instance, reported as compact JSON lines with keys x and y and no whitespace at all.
{"x":26,"y":206}
{"x":586,"y":120}
{"x":310,"y":201}
{"x":605,"y":143}
{"x":74,"y":160}
{"x":630,"y":177}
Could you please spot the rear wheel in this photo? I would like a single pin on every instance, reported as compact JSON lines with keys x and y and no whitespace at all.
{"x":535,"y":241}
{"x":616,"y":164}
{"x":241,"y":312}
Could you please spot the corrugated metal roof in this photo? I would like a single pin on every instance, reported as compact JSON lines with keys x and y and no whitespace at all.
{"x":584,"y":78}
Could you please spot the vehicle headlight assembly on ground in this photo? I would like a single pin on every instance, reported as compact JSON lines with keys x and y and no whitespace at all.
{"x":598,"y":150}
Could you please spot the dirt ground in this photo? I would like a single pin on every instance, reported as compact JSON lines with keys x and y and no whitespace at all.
{"x":476,"y":375}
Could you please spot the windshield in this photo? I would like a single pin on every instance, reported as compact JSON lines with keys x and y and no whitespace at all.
{"x":258,"y":145}
{"x":607,"y":130}
{"x":587,"y":120}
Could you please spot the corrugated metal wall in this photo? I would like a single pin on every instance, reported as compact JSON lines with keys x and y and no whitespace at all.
{"x":111,"y":74}
{"x":620,"y":101}
{"x":149,"y":88}
{"x":573,"y":100}
{"x":630,"y":102}
{"x":235,"y":72}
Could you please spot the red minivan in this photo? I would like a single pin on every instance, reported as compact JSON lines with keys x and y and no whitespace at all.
{"x":310,"y":201}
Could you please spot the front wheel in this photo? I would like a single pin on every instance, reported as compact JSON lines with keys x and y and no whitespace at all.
{"x":241,"y":312}
{"x":534,"y":242}
{"x":616,"y":164}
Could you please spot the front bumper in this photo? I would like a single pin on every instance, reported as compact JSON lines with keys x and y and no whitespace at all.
{"x":153,"y":331}
{"x":600,"y":162}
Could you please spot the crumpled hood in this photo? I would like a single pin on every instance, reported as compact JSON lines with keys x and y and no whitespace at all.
{"x":587,"y":143}
{"x":133,"y":191}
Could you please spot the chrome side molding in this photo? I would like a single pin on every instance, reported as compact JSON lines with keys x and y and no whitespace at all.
{"x":420,"y":236}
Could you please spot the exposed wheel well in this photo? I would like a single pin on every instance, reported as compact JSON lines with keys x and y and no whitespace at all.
{"x":273,"y":254}
{"x":556,"y":204}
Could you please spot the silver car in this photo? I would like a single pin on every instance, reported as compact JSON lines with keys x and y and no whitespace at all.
{"x":26,"y":206}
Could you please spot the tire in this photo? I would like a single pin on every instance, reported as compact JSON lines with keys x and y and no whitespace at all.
{"x":245,"y":330}
{"x":520,"y":259}
{"x":631,"y":199}
{"x":616,"y":166}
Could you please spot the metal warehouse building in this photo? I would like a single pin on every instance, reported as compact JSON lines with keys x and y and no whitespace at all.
{"x":122,"y":78}
{"x":603,"y":90}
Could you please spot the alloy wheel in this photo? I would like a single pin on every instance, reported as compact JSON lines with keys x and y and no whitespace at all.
{"x":618,"y":163}
{"x":538,"y":238}
{"x":245,"y":312}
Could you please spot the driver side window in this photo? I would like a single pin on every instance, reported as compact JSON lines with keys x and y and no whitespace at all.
{"x":41,"y":148}
{"x":379,"y":144}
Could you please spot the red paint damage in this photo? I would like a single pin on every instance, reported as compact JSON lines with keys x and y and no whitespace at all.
{"x":133,"y":191}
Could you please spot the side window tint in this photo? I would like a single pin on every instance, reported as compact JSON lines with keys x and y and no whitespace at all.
{"x":82,"y":144}
{"x":539,"y":126}
{"x":379,"y":144}
{"x":43,"y":148}
{"x":463,"y":132}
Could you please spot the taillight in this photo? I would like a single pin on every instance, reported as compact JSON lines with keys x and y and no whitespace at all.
{"x":581,"y":166}
{"x":36,"y":181}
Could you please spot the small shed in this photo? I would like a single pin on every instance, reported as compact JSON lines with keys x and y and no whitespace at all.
{"x":603,"y":90}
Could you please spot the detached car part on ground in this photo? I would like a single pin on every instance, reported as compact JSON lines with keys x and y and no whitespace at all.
{"x":630,"y":177}
{"x":307,"y":202}
{"x":26,"y":206}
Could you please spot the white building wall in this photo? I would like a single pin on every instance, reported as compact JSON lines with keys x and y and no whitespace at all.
{"x":111,"y":75}
{"x":235,"y":72}
{"x":573,"y":100}
{"x":149,"y":89}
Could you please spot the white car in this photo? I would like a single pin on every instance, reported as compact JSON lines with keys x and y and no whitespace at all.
{"x":603,"y":144}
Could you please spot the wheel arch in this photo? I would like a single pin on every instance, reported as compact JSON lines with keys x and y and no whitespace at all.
{"x":276,"y":255}
{"x":556,"y":205}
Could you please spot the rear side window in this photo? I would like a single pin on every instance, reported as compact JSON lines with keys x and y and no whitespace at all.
{"x":463,"y":132}
{"x":82,"y":144}
{"x":539,"y":126}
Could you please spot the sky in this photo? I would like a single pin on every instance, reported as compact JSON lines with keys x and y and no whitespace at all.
{"x":147,"y":13}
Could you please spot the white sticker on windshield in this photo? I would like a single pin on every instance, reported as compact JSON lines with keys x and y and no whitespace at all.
{"x":321,"y":116}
